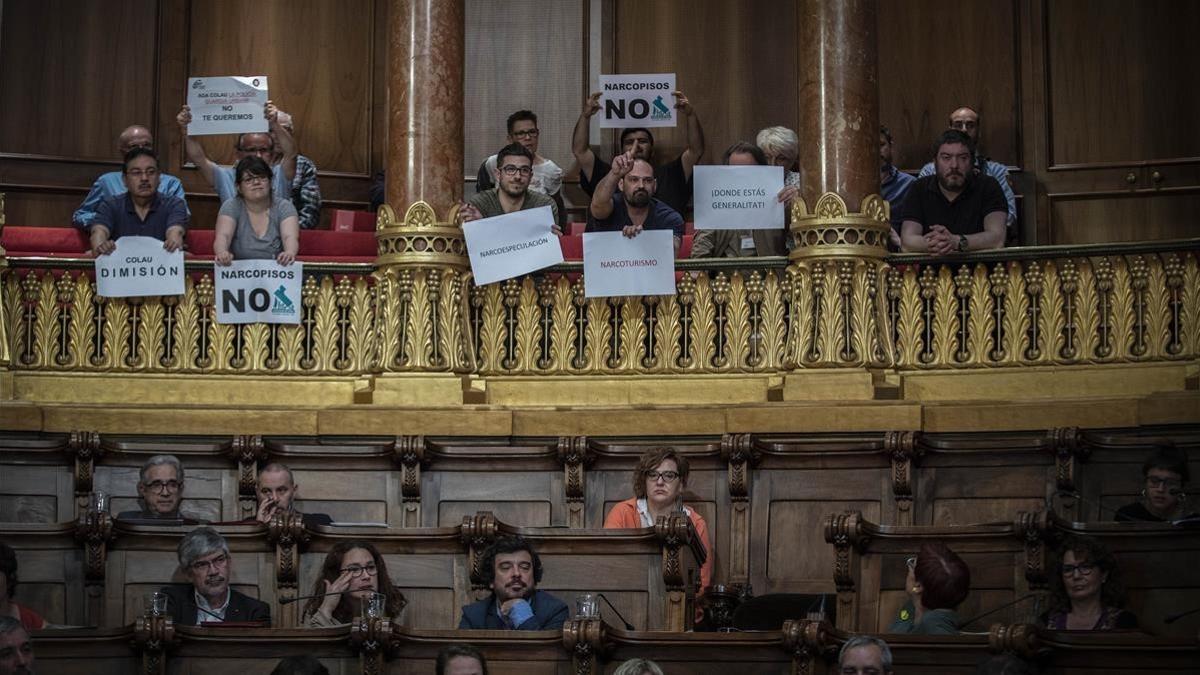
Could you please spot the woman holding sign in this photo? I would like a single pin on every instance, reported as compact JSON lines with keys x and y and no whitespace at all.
{"x":255,"y":225}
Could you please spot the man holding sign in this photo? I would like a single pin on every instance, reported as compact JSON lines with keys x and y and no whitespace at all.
{"x":673,"y":179}
{"x":624,"y":201}
{"x":259,"y":144}
{"x":514,"y":167}
{"x":141,"y":211}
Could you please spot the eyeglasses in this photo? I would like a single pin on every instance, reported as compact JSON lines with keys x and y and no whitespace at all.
{"x":205,"y":565}
{"x":160,"y":485}
{"x":528,"y":133}
{"x":1084,"y":569}
{"x":138,"y":173}
{"x":358,"y":570}
{"x":512,"y":170}
{"x":256,"y":151}
{"x":666,"y":476}
{"x":1157,"y":482}
{"x":255,"y":179}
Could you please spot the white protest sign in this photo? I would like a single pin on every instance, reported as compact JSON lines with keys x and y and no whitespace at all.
{"x":614,"y":264}
{"x":507,"y":246}
{"x":139,"y":266}
{"x":737,"y":197}
{"x":227,"y":105}
{"x":254,"y":291}
{"x":637,"y":101}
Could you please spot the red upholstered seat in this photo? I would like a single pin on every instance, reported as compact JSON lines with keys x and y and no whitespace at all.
{"x":689,"y":227}
{"x":200,"y":243}
{"x":331,"y":246}
{"x":572,"y":246}
{"x":576,"y":228}
{"x":345,"y":220}
{"x":685,"y":246}
{"x":49,"y":242}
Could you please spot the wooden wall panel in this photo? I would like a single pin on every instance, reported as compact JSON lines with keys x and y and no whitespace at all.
{"x":736,"y":61}
{"x":1086,"y":219}
{"x":317,"y":57}
{"x":74,"y":74}
{"x":1122,"y":79}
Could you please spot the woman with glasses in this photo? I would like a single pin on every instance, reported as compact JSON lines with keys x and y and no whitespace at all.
{"x":658,"y":484}
{"x":255,"y":225}
{"x":937,"y":583}
{"x":351,"y":571}
{"x":1165,"y":476}
{"x":1086,"y":593}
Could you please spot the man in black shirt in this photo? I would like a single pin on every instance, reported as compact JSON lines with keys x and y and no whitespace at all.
{"x":673,"y":179}
{"x":955,"y":210}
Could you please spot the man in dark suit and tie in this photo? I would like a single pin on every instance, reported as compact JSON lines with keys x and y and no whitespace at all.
{"x":204,"y":558}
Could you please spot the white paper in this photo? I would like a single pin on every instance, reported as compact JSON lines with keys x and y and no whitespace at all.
{"x":737,"y":197}
{"x":227,"y":105}
{"x":614,"y":264}
{"x":637,"y":101}
{"x":258,"y":291}
{"x":139,"y":267}
{"x":507,"y":246}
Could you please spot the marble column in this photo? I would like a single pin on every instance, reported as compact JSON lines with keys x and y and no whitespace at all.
{"x":425,"y":103}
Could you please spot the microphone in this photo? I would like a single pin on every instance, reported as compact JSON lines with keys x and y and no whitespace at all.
{"x":1175,"y":617}
{"x":628,"y":626}
{"x":288,"y":601}
{"x":1023,"y":598}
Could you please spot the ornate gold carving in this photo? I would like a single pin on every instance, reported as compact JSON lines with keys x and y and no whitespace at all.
{"x":586,"y":640}
{"x":477,"y":533}
{"x":420,"y":240}
{"x":832,"y":230}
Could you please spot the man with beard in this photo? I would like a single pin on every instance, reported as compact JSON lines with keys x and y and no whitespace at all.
{"x":112,"y":184}
{"x":625,"y":201}
{"x":204,"y":559}
{"x":893,"y":183}
{"x":966,"y":120}
{"x":277,"y":491}
{"x":515,"y":602}
{"x":955,"y":210}
{"x":140,"y":211}
{"x":16,"y":649}
{"x":673,"y":179}
{"x":514,"y":168}
{"x":547,"y":176}
{"x":160,"y":486}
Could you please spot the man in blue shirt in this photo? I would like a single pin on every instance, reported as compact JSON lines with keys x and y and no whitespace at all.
{"x":261,"y":145}
{"x":966,"y":120}
{"x":112,"y":183}
{"x":624,"y":201}
{"x":141,"y":211}
{"x":893,"y":183}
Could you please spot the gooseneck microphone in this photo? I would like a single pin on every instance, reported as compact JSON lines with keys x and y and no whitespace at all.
{"x":1175,"y":617}
{"x":288,"y":601}
{"x":628,"y":626}
{"x":1006,"y":605}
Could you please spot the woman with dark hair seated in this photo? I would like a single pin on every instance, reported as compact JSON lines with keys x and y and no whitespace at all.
{"x":351,"y":571}
{"x":1087,"y":594}
{"x":1165,"y":473}
{"x":938,"y":581}
{"x":255,"y":225}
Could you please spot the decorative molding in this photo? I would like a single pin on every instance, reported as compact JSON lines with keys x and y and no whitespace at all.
{"x":575,"y":455}
{"x":84,"y":448}
{"x":94,"y":530}
{"x":808,"y":642}
{"x":286,"y":533}
{"x":374,"y":640}
{"x":586,"y":640}
{"x":1034,"y":529}
{"x":477,"y":533}
{"x":904,"y":452}
{"x":154,"y":637}
{"x":1069,"y":447}
{"x":247,"y":451}
{"x":1020,"y":639}
{"x":409,"y":453}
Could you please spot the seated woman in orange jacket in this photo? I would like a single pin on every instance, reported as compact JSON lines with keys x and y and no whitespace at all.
{"x":658,"y":482}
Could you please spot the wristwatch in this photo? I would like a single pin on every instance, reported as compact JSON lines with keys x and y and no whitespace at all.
{"x":962,"y":242}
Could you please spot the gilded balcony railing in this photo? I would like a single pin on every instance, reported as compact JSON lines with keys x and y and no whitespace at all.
{"x":1039,"y":306}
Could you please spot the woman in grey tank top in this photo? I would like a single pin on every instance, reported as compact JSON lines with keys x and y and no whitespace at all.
{"x":255,"y":225}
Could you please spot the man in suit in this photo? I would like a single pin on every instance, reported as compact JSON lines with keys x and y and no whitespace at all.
{"x":160,"y":487}
{"x":204,"y":559}
{"x":515,"y":602}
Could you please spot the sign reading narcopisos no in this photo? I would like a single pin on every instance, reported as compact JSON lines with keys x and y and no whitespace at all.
{"x":503,"y":247}
{"x":138,"y":267}
{"x":614,"y":264}
{"x":227,"y":105}
{"x":258,"y":291}
{"x":738,"y":197}
{"x":637,"y":101}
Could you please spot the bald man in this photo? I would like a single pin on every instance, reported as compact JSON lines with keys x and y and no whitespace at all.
{"x":966,"y":120}
{"x":112,"y":184}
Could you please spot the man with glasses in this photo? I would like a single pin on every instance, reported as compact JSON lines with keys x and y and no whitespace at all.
{"x":966,"y":120}
{"x":140,"y":211}
{"x":546,"y":177}
{"x":261,"y":145}
{"x":112,"y":184}
{"x":514,"y":170}
{"x":204,"y":560}
{"x":160,"y":485}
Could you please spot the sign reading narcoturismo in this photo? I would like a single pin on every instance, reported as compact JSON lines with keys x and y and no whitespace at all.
{"x":227,"y":105}
{"x":258,"y":291}
{"x":737,"y":197}
{"x":507,"y":246}
{"x":138,"y":267}
{"x":637,"y":101}
{"x":614,"y":264}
